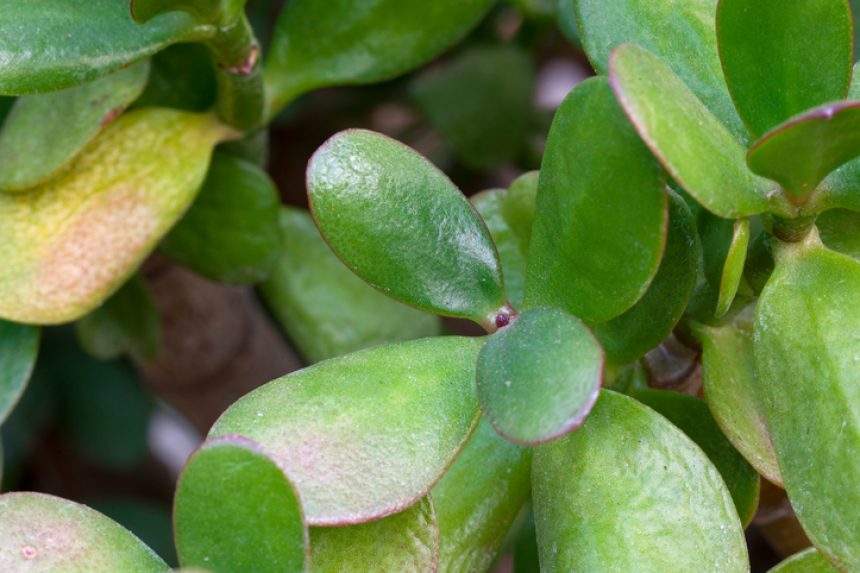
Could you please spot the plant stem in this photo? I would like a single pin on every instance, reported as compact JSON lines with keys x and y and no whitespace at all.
{"x":792,"y":230}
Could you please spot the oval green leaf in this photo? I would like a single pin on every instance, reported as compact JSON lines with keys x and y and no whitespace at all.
{"x":809,"y":561}
{"x":364,"y":42}
{"x":630,"y":492}
{"x":19,"y":345}
{"x":47,"y":534}
{"x":324,"y":307}
{"x":840,"y":230}
{"x":44,"y":133}
{"x":365,"y":435}
{"x":49,"y":45}
{"x":693,"y":146}
{"x":235,"y":510}
{"x":230,"y":234}
{"x":222,"y":12}
{"x":69,"y":244}
{"x":406,"y":541}
{"x":807,"y":351}
{"x":805,"y":47}
{"x":479,"y":498}
{"x":601,"y":216}
{"x":733,"y":267}
{"x":401,"y":225}
{"x":539,"y":377}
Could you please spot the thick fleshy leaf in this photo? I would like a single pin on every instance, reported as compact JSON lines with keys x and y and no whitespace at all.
{"x":840,"y":230}
{"x":509,"y":216}
{"x":69,"y":244}
{"x":49,"y":45}
{"x":47,"y":534}
{"x":365,"y":42}
{"x":406,"y":541}
{"x":127,"y":323}
{"x":479,"y":498}
{"x":733,"y":267}
{"x":730,"y":382}
{"x":681,"y":33}
{"x":630,"y":336}
{"x":601,"y":218}
{"x":222,"y":12}
{"x":465,"y":99}
{"x":807,"y":350}
{"x":181,"y":77}
{"x":696,"y":149}
{"x":19,"y":345}
{"x":44,"y":133}
{"x":230,"y":234}
{"x":235,"y":510}
{"x":402,"y":226}
{"x":806,"y":48}
{"x":800,"y":153}
{"x":809,"y":561}
{"x":324,"y":307}
{"x":367,"y":434}
{"x":539,"y":377}
{"x":692,"y":416}
{"x":630,"y":492}
{"x":840,"y":190}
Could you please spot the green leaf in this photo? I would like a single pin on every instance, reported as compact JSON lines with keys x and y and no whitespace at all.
{"x":181,"y":77}
{"x":733,"y":268}
{"x":324,"y":307}
{"x":150,"y":521}
{"x":69,"y":244}
{"x":364,"y":42}
{"x":630,"y":492}
{"x":44,"y":133}
{"x":805,"y":47}
{"x":230,"y":234}
{"x":539,"y":377}
{"x":840,"y":190}
{"x":49,"y":45}
{"x":807,"y":350}
{"x":235,"y":510}
{"x":691,"y":415}
{"x":696,"y":149}
{"x":466,"y":99}
{"x":509,"y":216}
{"x":479,"y":498}
{"x":406,"y":541}
{"x":566,"y":19}
{"x":47,"y":534}
{"x":402,"y":226}
{"x":680,"y":33}
{"x":840,"y":230}
{"x":730,"y":383}
{"x":526,"y":552}
{"x":809,"y":561}
{"x":800,"y":153}
{"x":222,"y":12}
{"x":630,"y":336}
{"x":601,"y":219}
{"x":19,"y":345}
{"x":375,"y":430}
{"x":127,"y":323}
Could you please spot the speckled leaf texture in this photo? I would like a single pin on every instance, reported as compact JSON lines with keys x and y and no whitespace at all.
{"x":809,"y":561}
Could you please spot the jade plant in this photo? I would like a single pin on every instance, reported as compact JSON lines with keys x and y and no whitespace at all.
{"x":703,"y":186}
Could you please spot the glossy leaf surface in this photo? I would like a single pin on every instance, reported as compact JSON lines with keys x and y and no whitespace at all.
{"x":406,"y":541}
{"x":69,"y":244}
{"x":51,"y":535}
{"x":809,"y":561}
{"x":630,"y":336}
{"x":223,"y":12}
{"x":48,"y":45}
{"x":539,"y":377}
{"x":374,"y":431}
{"x":840,"y":230}
{"x":601,"y":217}
{"x":680,"y":32}
{"x":325,"y":308}
{"x":733,"y":268}
{"x":230,"y":234}
{"x":630,"y":492}
{"x":800,"y":153}
{"x":43,"y":133}
{"x":19,"y":345}
{"x":691,"y":415}
{"x":235,"y":510}
{"x":479,"y":498}
{"x":402,"y":226}
{"x":806,"y":48}
{"x":805,"y":347}
{"x":365,"y":42}
{"x":698,"y":151}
